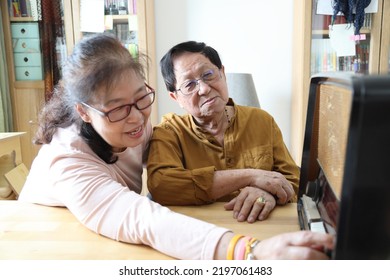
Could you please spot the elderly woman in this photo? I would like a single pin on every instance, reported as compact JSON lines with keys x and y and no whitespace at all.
{"x":219,"y":150}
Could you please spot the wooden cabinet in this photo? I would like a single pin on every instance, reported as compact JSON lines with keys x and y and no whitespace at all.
{"x":27,"y":96}
{"x":307,"y":33}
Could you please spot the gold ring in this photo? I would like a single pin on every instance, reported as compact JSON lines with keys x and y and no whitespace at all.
{"x":261,"y":200}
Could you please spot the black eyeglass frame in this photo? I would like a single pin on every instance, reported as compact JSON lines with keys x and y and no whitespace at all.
{"x":129,"y":106}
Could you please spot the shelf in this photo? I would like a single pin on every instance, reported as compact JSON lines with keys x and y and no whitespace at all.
{"x":22,"y":19}
{"x":326,"y":32}
{"x":120,"y":18}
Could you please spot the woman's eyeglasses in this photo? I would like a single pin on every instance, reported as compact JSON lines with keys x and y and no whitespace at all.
{"x":119,"y":113}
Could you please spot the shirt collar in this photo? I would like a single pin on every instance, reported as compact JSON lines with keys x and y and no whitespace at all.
{"x":200,"y":132}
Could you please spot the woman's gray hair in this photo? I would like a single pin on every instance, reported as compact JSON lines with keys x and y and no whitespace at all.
{"x":96,"y":64}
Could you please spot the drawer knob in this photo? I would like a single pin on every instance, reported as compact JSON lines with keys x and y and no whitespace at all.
{"x":23,"y":30}
{"x":24,"y":45}
{"x":25,"y":59}
{"x":26,"y":73}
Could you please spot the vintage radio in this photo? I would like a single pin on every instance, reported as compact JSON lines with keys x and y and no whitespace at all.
{"x":345,"y":185}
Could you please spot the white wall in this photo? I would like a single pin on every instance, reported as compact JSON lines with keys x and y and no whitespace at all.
{"x":253,"y":36}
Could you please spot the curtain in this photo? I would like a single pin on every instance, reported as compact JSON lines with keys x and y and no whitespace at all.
{"x":50,"y":16}
{"x":5,"y":98}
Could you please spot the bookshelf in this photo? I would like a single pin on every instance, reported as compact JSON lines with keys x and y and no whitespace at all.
{"x":27,"y":93}
{"x":139,"y":13}
{"x":27,"y":96}
{"x":312,"y":54}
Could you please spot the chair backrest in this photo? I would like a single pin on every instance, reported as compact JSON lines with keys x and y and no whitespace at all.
{"x":242,"y":89}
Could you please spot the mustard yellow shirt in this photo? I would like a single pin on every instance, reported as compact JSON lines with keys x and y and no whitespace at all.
{"x":183,"y":157}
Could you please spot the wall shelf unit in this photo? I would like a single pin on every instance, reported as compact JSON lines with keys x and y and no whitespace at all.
{"x":308,"y":31}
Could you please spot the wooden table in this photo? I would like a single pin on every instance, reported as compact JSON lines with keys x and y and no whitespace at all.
{"x":29,"y":231}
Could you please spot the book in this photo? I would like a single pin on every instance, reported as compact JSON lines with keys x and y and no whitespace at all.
{"x":23,"y":8}
{"x":10,"y":8}
{"x":130,"y":7}
{"x":29,"y":8}
{"x":34,"y":9}
{"x":16,"y":8}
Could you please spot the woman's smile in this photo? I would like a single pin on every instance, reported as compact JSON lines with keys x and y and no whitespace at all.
{"x":136,"y":132}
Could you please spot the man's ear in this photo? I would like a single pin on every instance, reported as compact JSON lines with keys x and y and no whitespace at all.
{"x":223,"y":71}
{"x":83,"y":113}
{"x":173,"y":95}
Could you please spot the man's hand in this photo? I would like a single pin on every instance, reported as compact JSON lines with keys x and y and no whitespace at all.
{"x":274,"y":183}
{"x":246,"y":206}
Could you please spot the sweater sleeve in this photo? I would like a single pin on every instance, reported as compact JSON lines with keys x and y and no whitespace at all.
{"x":108,"y":208}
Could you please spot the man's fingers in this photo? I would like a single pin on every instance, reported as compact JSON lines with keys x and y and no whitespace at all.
{"x":249,"y":210}
{"x":265,"y":211}
{"x":257,"y":209}
{"x":282,"y":197}
{"x":230,"y":205}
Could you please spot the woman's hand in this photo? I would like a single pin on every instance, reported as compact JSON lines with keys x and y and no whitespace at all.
{"x":300,"y":245}
{"x":246,"y":207}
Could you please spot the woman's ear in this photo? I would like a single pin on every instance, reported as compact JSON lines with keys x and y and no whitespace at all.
{"x":83,"y":113}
